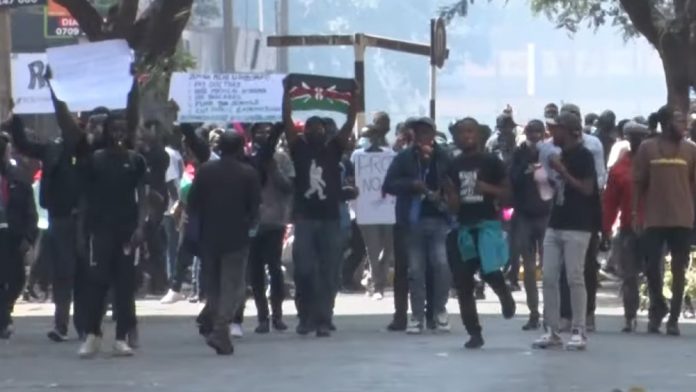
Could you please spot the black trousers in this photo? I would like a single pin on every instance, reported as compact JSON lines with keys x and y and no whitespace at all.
{"x":111,"y":266}
{"x":184,"y":260}
{"x":401,"y":277}
{"x":463,"y":275}
{"x":678,"y":241}
{"x":12,"y":275}
{"x":355,"y":259}
{"x":155,"y":261}
{"x":266,"y":250}
{"x":59,"y":247}
{"x":591,"y":281}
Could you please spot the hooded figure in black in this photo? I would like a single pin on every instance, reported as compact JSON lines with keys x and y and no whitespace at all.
{"x":18,"y":231}
{"x":114,"y":219}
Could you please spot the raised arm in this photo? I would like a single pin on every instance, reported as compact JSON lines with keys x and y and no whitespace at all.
{"x":268,"y":149}
{"x":291,"y":133}
{"x":346,"y":131}
{"x":133,"y":109}
{"x":69,"y":128}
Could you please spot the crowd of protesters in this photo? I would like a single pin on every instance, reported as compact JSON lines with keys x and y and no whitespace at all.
{"x":133,"y":208}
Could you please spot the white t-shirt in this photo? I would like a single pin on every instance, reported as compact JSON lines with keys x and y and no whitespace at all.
{"x":176,"y":166}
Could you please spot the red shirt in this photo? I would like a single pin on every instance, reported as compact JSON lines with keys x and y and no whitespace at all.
{"x":618,"y":195}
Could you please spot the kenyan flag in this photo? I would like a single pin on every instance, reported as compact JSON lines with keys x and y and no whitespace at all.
{"x":313,"y":92}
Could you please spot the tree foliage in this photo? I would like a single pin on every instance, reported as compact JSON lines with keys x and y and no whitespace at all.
{"x":152,"y":35}
{"x":669,"y":25}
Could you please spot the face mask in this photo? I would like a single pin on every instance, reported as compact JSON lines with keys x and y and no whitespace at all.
{"x":531,"y":144}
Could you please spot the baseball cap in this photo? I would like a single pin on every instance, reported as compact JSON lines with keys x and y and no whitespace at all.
{"x":635,"y":128}
{"x":421,"y":120}
{"x":569,"y":121}
{"x":505,"y":121}
{"x":571,"y":108}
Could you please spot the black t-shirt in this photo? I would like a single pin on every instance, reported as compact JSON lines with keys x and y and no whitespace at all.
{"x":111,"y":180}
{"x":571,"y":209}
{"x":317,"y":179}
{"x":465,"y":171}
{"x":157,"y":161}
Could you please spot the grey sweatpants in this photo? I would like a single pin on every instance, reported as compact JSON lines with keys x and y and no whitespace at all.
{"x":379,"y":244}
{"x":565,"y":247}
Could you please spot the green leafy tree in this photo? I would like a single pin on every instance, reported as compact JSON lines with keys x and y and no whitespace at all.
{"x":669,"y":26}
{"x":153,"y":35}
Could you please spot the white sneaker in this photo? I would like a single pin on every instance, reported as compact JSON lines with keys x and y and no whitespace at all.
{"x":443,"y":324}
{"x":122,"y":349}
{"x":172,"y":297}
{"x":236,"y":330}
{"x":414,"y":328}
{"x":90,"y":347}
{"x":377,"y":296}
{"x":548,"y":340}
{"x":577,"y":342}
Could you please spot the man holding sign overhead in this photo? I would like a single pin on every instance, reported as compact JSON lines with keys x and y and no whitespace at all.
{"x":316,"y":156}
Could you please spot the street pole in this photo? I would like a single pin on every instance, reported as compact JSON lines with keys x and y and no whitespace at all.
{"x":283,"y":29}
{"x":229,"y":36}
{"x":5,"y":53}
{"x":359,"y":47}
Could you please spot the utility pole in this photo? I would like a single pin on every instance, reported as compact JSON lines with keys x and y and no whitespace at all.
{"x":5,"y":69}
{"x":228,"y":32}
{"x":283,"y":15}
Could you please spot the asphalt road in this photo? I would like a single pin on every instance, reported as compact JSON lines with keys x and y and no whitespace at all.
{"x":361,"y":356}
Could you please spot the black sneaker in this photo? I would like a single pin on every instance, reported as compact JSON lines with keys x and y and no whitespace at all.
{"x":304,"y":328}
{"x":221,"y":343}
{"x":6,"y":333}
{"x":332,"y":327}
{"x":509,"y":306}
{"x":655,"y":318}
{"x":279,"y":325}
{"x":264,"y":327}
{"x":397,"y":325}
{"x":323,"y":331}
{"x":532,"y":325}
{"x":475,"y":342}
{"x":431,"y":325}
{"x":673,"y":328}
{"x":57,"y":336}
{"x":631,"y":325}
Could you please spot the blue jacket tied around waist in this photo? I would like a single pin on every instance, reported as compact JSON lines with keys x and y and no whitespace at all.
{"x":490,"y":246}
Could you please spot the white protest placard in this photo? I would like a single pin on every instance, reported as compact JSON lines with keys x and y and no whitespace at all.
{"x":29,"y":89}
{"x":93,"y":74}
{"x":371,"y":207}
{"x":243,"y":97}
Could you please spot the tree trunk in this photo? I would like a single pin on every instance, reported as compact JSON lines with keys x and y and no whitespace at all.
{"x":675,"y":54}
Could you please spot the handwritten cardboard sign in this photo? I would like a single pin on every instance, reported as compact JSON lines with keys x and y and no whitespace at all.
{"x":242,"y":97}
{"x":371,"y":207}
{"x":92,"y":74}
{"x":29,"y":89}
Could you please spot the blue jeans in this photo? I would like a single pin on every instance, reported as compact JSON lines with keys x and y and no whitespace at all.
{"x":172,"y":244}
{"x":426,"y":241}
{"x":317,"y":255}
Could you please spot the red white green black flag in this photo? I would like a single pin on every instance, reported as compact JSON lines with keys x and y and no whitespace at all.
{"x":314,"y":92}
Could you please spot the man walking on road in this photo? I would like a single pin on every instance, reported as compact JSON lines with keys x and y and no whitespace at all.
{"x":572,"y":221}
{"x":664,"y":173}
{"x":618,"y":197}
{"x":225,"y":196}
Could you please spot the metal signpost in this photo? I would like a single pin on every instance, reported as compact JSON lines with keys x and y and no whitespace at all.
{"x":437,"y":51}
